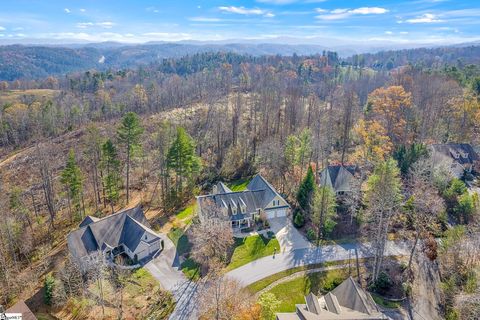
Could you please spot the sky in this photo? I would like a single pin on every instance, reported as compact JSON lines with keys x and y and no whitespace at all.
{"x":307,"y":21}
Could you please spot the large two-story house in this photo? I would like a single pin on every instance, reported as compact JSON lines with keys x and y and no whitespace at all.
{"x":458,"y":158}
{"x":242,"y":207}
{"x":126,"y":232}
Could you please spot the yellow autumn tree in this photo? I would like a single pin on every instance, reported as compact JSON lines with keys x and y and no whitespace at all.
{"x":465,"y":111}
{"x":373,"y":142}
{"x":391,"y":107}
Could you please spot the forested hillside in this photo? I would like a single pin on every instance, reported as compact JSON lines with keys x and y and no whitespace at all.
{"x":156,"y":135}
{"x":33,"y":62}
{"x":36,"y":62}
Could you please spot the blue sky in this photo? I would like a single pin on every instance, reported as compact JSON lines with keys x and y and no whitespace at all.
{"x":412,"y":21}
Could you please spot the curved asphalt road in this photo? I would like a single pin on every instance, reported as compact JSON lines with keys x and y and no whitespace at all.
{"x":166,"y":269}
{"x":267,"y":266}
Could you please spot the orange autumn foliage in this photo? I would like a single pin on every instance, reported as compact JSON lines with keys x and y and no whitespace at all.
{"x":391,"y":107}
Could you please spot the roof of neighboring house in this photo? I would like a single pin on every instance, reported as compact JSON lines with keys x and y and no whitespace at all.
{"x":462,"y":153}
{"x":258,"y":195}
{"x":348,"y":301}
{"x":338,"y":177}
{"x":222,"y":188}
{"x":125,"y":227}
{"x":21,"y":307}
{"x":88,"y":220}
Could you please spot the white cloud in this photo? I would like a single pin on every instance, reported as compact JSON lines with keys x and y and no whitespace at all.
{"x":204,"y":19}
{"x":320,"y":10}
{"x":425,"y":18}
{"x":105,"y":24}
{"x":369,"y":10}
{"x":84,"y":25}
{"x":403,"y":32}
{"x":2,"y":28}
{"x":269,"y":15}
{"x":388,"y":32}
{"x":339,"y":11}
{"x":82,"y":10}
{"x":245,"y":11}
{"x":152,"y":9}
{"x":343,"y":13}
{"x":67,"y":10}
{"x":167,"y":36}
{"x":17,"y":29}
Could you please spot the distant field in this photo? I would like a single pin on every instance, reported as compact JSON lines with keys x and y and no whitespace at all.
{"x":11,"y":96}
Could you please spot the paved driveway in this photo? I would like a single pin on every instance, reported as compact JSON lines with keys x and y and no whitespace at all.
{"x":288,"y":236}
{"x":264,"y":267}
{"x":166,"y":269}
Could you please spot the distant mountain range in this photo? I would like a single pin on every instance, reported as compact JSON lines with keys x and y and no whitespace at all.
{"x":39,"y":61}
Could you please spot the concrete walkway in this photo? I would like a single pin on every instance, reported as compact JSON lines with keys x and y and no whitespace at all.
{"x":287,"y":235}
{"x":267,"y":266}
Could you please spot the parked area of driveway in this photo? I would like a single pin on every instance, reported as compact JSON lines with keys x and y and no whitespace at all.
{"x":166,"y":269}
{"x":287,"y":235}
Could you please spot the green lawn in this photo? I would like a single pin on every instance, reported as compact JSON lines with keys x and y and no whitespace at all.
{"x":186,"y":215}
{"x":239,"y":185}
{"x":294,"y":291}
{"x":385,"y":303}
{"x":191,"y":269}
{"x":180,"y":240}
{"x":252,"y":248}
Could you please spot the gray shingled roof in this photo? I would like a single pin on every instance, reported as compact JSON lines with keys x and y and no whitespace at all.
{"x":349,"y":294}
{"x":259,"y":183}
{"x":21,"y":307}
{"x":348,"y":301}
{"x":258,"y":195}
{"x":338,"y":177}
{"x":125,"y":227}
{"x":222,"y":188}
{"x":87,"y":221}
{"x":466,"y":154}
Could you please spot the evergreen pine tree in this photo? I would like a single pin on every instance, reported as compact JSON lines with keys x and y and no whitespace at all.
{"x":111,"y":165}
{"x":129,"y":134}
{"x":182,"y":159}
{"x":71,"y":178}
{"x":305,"y":191}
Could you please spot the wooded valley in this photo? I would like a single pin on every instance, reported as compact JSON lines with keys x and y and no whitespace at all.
{"x":91,"y":142}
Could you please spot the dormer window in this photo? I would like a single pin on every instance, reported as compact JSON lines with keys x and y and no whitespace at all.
{"x":454,"y":154}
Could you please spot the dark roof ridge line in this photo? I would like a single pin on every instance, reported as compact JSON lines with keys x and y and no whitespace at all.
{"x":359,"y":294}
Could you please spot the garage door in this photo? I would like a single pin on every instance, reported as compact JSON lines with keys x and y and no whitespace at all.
{"x":281,"y":213}
{"x":276,"y":213}
{"x":155,"y":247}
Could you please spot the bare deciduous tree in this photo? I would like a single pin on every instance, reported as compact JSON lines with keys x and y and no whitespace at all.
{"x":212,"y":237}
{"x":222,"y":298}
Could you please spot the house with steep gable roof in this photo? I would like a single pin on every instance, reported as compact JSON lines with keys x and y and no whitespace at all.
{"x":21,"y":308}
{"x":341,"y":178}
{"x":242,"y":207}
{"x":348,"y":301}
{"x":125,"y":232}
{"x":458,"y":158}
